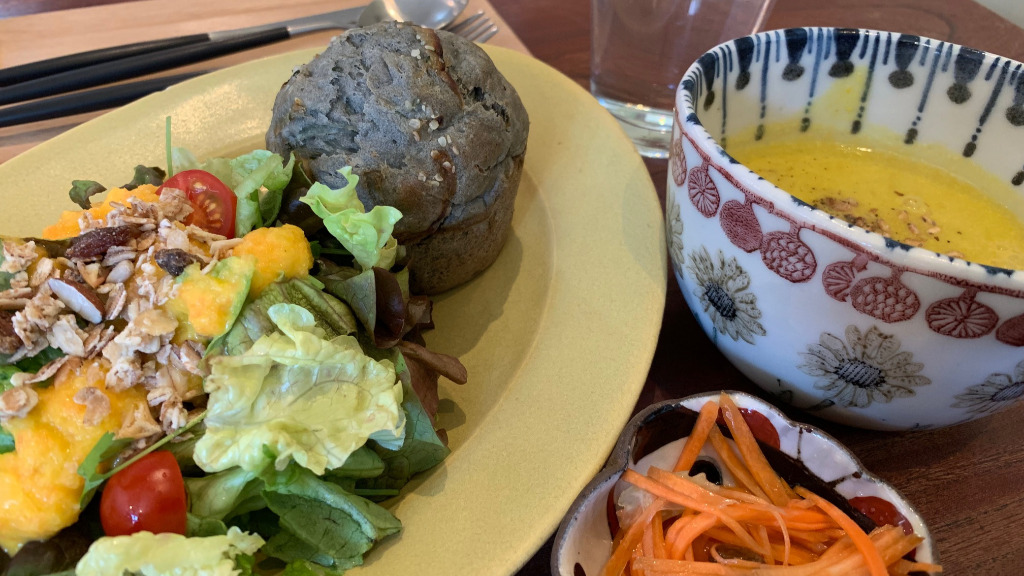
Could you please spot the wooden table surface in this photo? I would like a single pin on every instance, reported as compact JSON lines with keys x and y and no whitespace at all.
{"x":967,"y":481}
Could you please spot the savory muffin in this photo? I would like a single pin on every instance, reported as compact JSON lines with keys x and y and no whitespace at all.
{"x":430,"y":127}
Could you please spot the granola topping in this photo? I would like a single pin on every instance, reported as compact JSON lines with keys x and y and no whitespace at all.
{"x":115,"y":263}
{"x":18,"y":257}
{"x":96,"y":403}
{"x":17,"y":402}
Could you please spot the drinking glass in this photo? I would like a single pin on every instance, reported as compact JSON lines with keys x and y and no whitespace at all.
{"x":641,"y":48}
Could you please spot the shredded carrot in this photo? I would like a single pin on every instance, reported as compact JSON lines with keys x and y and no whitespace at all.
{"x":733,"y":463}
{"x":758,"y":465}
{"x":860,"y":539}
{"x":700,"y":548}
{"x":672,"y":534}
{"x":620,"y":556}
{"x":698,"y":437}
{"x":683,"y":541}
{"x":658,"y":529}
{"x":675,"y":497}
{"x":647,"y":540}
{"x":634,"y":567}
{"x":758,"y":527}
{"x":797,"y":554}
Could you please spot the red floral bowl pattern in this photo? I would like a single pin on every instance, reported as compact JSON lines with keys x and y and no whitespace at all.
{"x":583,"y":542}
{"x":827,"y":316}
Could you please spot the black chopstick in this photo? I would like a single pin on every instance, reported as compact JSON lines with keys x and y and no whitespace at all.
{"x":39,"y":69}
{"x":87,"y":100}
{"x":134,"y":66}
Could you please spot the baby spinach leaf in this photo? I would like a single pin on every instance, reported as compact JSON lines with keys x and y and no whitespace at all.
{"x":6,"y":441}
{"x":82,"y":190}
{"x":106,"y":448}
{"x":322,"y":522}
{"x":146,"y":175}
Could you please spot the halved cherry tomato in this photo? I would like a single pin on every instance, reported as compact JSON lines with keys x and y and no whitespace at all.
{"x":213,"y":203}
{"x":148,"y":495}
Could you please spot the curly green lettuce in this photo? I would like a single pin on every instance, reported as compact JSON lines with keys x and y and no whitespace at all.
{"x":151,"y":554}
{"x":296,"y":396}
{"x":367,"y":235}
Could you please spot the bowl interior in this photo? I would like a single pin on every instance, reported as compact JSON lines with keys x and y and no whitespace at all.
{"x":805,"y":455}
{"x":948,"y":101}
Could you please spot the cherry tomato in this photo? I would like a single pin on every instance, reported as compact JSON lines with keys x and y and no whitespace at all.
{"x":148,"y":495}
{"x":213,"y":203}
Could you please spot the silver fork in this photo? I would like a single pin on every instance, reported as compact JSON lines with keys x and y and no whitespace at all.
{"x":478,"y":28}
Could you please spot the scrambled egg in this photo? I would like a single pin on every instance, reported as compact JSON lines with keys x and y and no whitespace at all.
{"x":39,"y":480}
{"x":281,"y":252}
{"x":67,"y":226}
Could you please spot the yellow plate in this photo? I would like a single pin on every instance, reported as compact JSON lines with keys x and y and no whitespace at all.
{"x":557,"y":335}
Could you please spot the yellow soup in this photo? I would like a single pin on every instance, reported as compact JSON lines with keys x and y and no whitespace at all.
{"x":895,"y":193}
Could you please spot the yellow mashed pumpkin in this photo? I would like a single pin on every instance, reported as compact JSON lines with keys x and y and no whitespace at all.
{"x":904,"y":194}
{"x":39,"y":480}
{"x":67,"y":225}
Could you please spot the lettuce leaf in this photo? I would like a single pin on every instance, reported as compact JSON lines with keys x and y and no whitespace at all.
{"x":366,"y":235}
{"x":306,"y":568}
{"x":220,"y":496}
{"x":105,"y":449}
{"x":301,"y":397}
{"x":196,"y":526}
{"x":157,"y":554}
{"x":322,"y":522}
{"x":303,"y":517}
{"x":331,"y":315}
{"x":421,"y":450}
{"x":6,"y":441}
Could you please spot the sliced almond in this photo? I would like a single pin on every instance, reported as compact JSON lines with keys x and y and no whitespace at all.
{"x":121,"y":272}
{"x":80,"y":298}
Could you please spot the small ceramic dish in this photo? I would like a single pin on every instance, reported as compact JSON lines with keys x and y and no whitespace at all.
{"x":809,"y":457}
{"x":826,"y":315}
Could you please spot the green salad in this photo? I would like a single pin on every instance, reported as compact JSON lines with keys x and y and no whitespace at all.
{"x":265,"y":408}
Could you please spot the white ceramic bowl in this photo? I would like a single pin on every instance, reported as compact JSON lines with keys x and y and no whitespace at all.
{"x":583,"y":542}
{"x":827,"y":316}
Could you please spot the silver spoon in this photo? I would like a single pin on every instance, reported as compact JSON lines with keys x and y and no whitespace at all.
{"x":426,"y":13}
